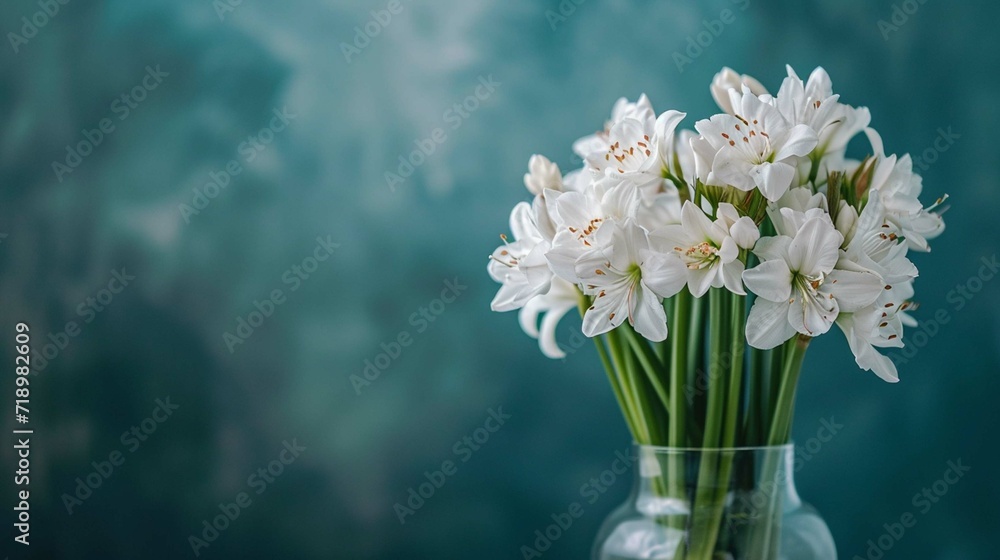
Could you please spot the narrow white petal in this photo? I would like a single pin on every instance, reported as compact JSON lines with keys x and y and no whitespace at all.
{"x":731,"y":277}
{"x":528,"y":316}
{"x":647,"y":315}
{"x":547,"y":339}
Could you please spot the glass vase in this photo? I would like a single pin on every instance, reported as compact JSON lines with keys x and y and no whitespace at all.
{"x":714,"y":504}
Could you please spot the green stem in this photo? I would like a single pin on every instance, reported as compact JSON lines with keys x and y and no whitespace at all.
{"x":763,"y":539}
{"x":649,"y":362}
{"x":786,"y":393}
{"x":648,"y":409}
{"x":679,"y":335}
{"x":704,"y":525}
{"x":629,"y":386}
{"x":602,"y":351}
{"x":614,"y":375}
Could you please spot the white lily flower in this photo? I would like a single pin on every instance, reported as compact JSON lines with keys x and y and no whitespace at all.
{"x":756,"y":147}
{"x":579,"y":224}
{"x":709,"y":250}
{"x":636,"y":152}
{"x":794,"y":208}
{"x":542,"y":174}
{"x":899,"y":188}
{"x":875,"y":243}
{"x":727,"y":79}
{"x":878,"y":326}
{"x":799,"y":287}
{"x":520,"y":266}
{"x":815,"y":105}
{"x":641,"y":110}
{"x":629,"y":279}
{"x":552,"y":306}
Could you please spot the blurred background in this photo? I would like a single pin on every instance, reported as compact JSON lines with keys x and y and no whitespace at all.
{"x":196,"y":219}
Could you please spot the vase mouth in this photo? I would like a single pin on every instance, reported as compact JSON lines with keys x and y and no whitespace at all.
{"x":667,"y":449}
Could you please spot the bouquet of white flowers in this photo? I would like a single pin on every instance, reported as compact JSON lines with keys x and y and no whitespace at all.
{"x":760,"y":210}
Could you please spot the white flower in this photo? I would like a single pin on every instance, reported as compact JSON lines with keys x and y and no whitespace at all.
{"x":814,"y":104}
{"x":728,"y":79}
{"x":874,"y":243}
{"x":554,"y":304}
{"x":636,"y":152}
{"x":756,"y":146}
{"x":801,"y":287}
{"x":794,"y":208}
{"x":542,"y":174}
{"x":628,"y":279}
{"x":709,"y":250}
{"x":899,"y":188}
{"x":641,"y":110}
{"x":579,"y":219}
{"x":520,"y":266}
{"x":877,"y":326}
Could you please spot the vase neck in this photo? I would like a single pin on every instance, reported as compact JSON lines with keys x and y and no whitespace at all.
{"x":750,"y":474}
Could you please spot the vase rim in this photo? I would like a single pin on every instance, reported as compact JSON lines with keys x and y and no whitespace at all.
{"x":784,"y":447}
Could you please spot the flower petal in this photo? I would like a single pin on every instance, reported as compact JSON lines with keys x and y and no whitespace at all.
{"x":770,"y":280}
{"x":801,"y":140}
{"x":665,"y":275}
{"x":812,"y":314}
{"x":547,"y":338}
{"x":731,"y":277}
{"x":647,"y":315}
{"x":767,"y":326}
{"x":816,"y":247}
{"x":607,"y":312}
{"x":744,"y":232}
{"x":854,"y":290}
{"x":773,"y":179}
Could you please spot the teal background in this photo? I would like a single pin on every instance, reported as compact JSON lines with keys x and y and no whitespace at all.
{"x":324,"y":176}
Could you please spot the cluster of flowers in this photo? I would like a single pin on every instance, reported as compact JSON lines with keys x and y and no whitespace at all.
{"x":759,"y":197}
